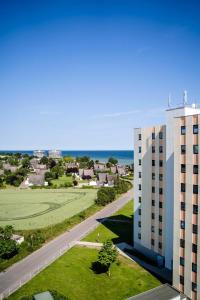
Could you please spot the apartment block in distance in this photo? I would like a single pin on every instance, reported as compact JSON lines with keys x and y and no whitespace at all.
{"x":166,"y":198}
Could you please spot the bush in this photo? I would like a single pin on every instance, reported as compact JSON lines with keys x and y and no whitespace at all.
{"x":105,"y":195}
{"x":122,"y":186}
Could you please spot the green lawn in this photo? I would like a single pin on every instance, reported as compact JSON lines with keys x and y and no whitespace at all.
{"x":71,"y":275}
{"x":62,"y":180}
{"x":118,"y":228}
{"x":31,"y":209}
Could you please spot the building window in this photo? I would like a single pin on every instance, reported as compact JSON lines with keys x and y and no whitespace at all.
{"x":160,"y":245}
{"x":153,"y":189}
{"x":139,"y":136}
{"x":182,"y":205}
{"x":153,"y":202}
{"x":195,"y":189}
{"x":161,"y":177}
{"x":160,"y":149}
{"x":183,"y":149}
{"x":194,"y":268}
{"x":160,"y":135}
{"x":194,"y":248}
{"x":160,"y":191}
{"x":139,"y":187}
{"x":153,"y":149}
{"x":153,"y":163}
{"x":152,"y":242}
{"x":152,"y":228}
{"x":195,"y":209}
{"x":139,"y":149}
{"x":160,"y":204}
{"x":139,"y":236}
{"x":139,"y":223}
{"x":181,"y":280}
{"x":194,"y":287}
{"x":160,"y":218}
{"x":139,"y":162}
{"x":195,"y":129}
{"x":195,"y":149}
{"x":182,"y":261}
{"x":183,"y":130}
{"x":194,"y":229}
{"x":139,"y":211}
{"x":182,"y":243}
{"x":183,"y":187}
{"x":153,"y":136}
{"x":160,"y":163}
{"x":195,"y":169}
{"x":153,"y":216}
{"x":139,"y":199}
{"x":183,"y":168}
{"x":153,"y":176}
{"x":160,"y":231}
{"x":182,"y":224}
{"x":140,"y":175}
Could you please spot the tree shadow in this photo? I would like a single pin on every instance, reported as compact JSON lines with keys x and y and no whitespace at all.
{"x":97,"y":268}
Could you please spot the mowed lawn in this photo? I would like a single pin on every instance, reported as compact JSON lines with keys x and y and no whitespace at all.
{"x":118,"y":227}
{"x":31,"y":209}
{"x":72,"y":276}
{"x":62,"y":180}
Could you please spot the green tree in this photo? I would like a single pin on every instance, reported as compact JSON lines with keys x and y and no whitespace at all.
{"x":105,"y":195}
{"x":8,"y":247}
{"x":68,"y":159}
{"x":113,"y":160}
{"x":44,"y":160}
{"x":25,"y":162}
{"x":34,"y":241}
{"x":107,"y":255}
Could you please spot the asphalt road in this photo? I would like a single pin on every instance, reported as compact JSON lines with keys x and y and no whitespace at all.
{"x":11,"y":279}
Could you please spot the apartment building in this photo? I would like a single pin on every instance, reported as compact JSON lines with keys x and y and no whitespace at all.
{"x":166,"y":196}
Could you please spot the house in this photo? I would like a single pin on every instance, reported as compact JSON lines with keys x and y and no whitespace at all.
{"x":34,"y":162}
{"x":86,"y":173}
{"x":113,"y":169}
{"x":8,"y":167}
{"x":99,"y":167}
{"x":34,"y":180}
{"x":39,"y":153}
{"x":17,"y":238}
{"x":111,"y":179}
{"x":102,"y":178}
{"x":72,"y":167}
{"x":121,"y":170}
{"x":105,"y":178}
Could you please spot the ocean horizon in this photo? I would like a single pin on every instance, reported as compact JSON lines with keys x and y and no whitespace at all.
{"x":124,"y":157}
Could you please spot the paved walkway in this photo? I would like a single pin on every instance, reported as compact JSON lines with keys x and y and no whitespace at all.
{"x":23,"y":271}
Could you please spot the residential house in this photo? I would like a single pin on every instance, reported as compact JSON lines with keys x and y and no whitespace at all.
{"x":8,"y":167}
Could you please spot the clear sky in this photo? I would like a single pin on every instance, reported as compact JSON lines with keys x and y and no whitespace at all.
{"x":82,"y":74}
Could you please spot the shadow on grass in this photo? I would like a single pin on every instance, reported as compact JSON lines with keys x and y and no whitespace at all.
{"x":120,"y":225}
{"x":97,"y":268}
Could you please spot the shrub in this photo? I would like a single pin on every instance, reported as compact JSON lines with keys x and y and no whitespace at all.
{"x":122,"y":186}
{"x":105,"y":195}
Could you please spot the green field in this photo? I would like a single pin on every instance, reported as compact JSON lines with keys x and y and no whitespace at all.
{"x":31,"y":209}
{"x":62,"y":180}
{"x":71,"y":275}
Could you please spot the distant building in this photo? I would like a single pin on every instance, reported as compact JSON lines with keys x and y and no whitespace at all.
{"x":17,"y":238}
{"x":55,"y":154}
{"x":39,"y":153}
{"x":8,"y":167}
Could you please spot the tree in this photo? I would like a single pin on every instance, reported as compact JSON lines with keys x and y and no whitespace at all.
{"x":90,"y":164}
{"x":113,"y":160}
{"x":25,"y":162}
{"x":44,"y":160}
{"x":68,"y":159}
{"x":34,"y":240}
{"x":107,"y":255}
{"x":105,"y":195}
{"x":8,"y":247}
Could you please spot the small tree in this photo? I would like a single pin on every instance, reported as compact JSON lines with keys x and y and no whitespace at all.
{"x":107,"y":255}
{"x":105,"y":195}
{"x":113,"y":160}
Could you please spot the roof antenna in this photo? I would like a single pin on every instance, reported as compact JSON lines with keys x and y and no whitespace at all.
{"x":169,"y":100}
{"x":185,"y":98}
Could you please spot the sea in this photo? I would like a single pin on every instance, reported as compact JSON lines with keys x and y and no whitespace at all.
{"x":124,"y":157}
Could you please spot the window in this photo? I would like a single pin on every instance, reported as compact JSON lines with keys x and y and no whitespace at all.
{"x":183,"y":168}
{"x":160,"y":163}
{"x":195,"y":129}
{"x":194,"y":229}
{"x":161,"y":177}
{"x":183,"y":149}
{"x":160,"y":231}
{"x":181,"y":279}
{"x":195,"y":189}
{"x":153,"y":136}
{"x":139,"y":187}
{"x":139,"y":174}
{"x":194,"y":248}
{"x":182,"y":224}
{"x":153,"y":163}
{"x":160,"y":191}
{"x":139,"y":236}
{"x":183,"y":187}
{"x":160,"y":149}
{"x":139,"y":223}
{"x":153,"y":216}
{"x":194,"y":287}
{"x":153,"y":202}
{"x":153,"y":189}
{"x":182,"y":261}
{"x":160,"y":204}
{"x":195,"y":169}
{"x":195,"y":149}
{"x":182,"y":243}
{"x":183,"y":130}
{"x":139,"y":136}
{"x":139,"y":162}
{"x":152,"y":228}
{"x":139,"y":211}
{"x":153,"y":149}
{"x":160,"y":245}
{"x":195,"y":209}
{"x":194,"y":268}
{"x":152,"y":242}
{"x":139,"y":149}
{"x":160,"y":135}
{"x":160,"y":218}
{"x":182,"y":205}
{"x":153,"y":176}
{"x":139,"y":199}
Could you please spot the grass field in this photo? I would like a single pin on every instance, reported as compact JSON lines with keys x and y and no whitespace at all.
{"x":72,"y":276}
{"x":118,"y":228}
{"x":62,"y":180}
{"x":31,"y":209}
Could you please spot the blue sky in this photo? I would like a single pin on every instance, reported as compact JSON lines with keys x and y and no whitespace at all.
{"x":82,"y":74}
